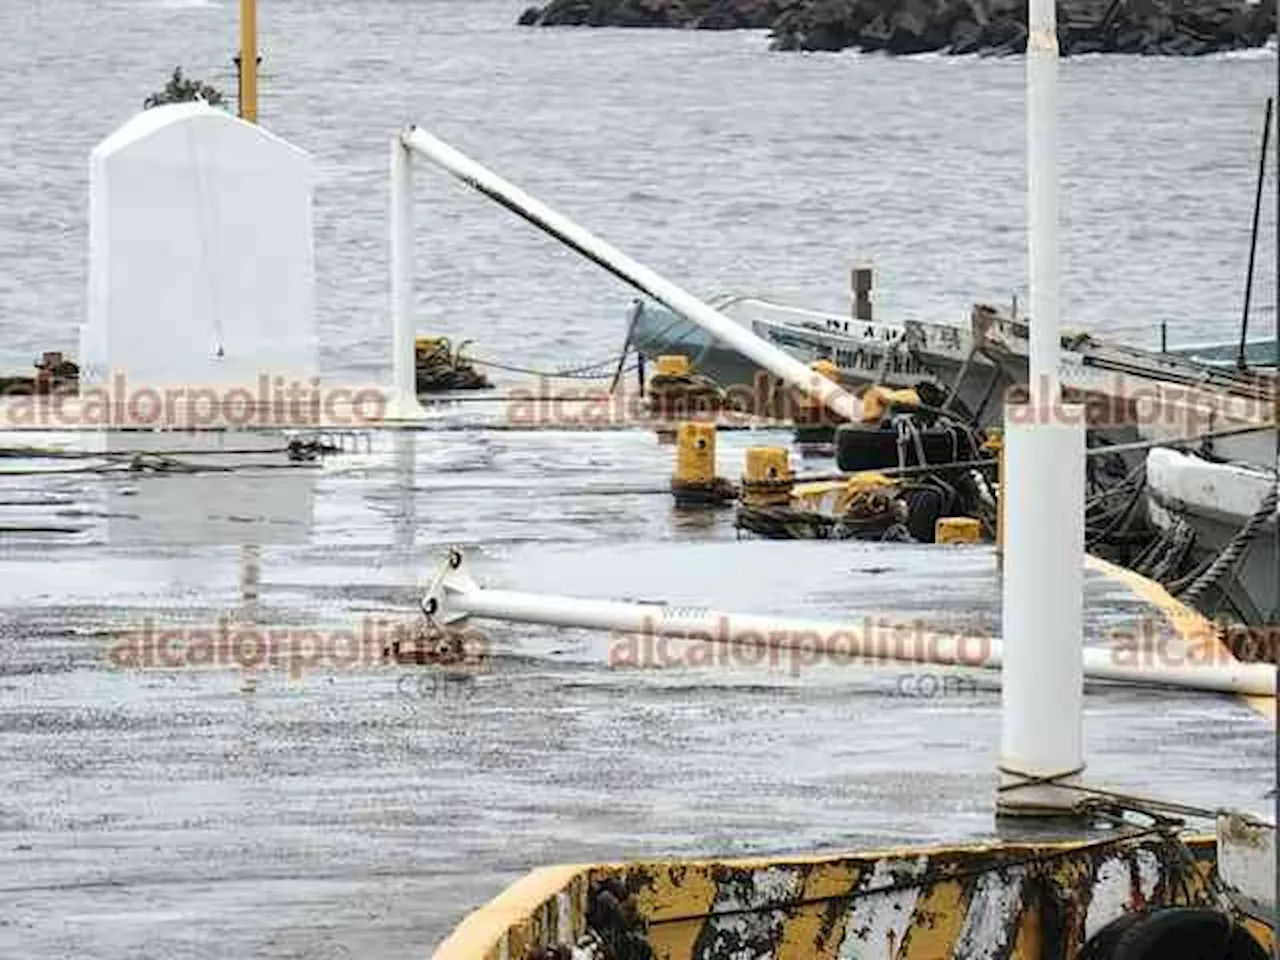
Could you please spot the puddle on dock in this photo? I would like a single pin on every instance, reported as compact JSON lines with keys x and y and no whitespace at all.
{"x":363,"y":811}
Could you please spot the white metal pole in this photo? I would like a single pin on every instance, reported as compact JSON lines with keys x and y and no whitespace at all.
{"x":454,"y":597}
{"x":735,"y":335}
{"x":1043,"y":590}
{"x":1042,"y":199}
{"x":404,"y":404}
{"x":1042,"y":684}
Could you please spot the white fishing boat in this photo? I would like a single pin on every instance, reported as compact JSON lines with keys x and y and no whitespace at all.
{"x":1259,"y":353}
{"x":1221,"y":518}
{"x":976,"y":365}
{"x":1216,"y":506}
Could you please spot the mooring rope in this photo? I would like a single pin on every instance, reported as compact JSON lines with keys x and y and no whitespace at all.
{"x":589,"y":371}
{"x":1233,"y":551}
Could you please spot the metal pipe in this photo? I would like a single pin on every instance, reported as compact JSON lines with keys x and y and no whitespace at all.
{"x":735,"y":335}
{"x":404,"y":403}
{"x":1253,"y":237}
{"x":249,"y":60}
{"x":454,"y":597}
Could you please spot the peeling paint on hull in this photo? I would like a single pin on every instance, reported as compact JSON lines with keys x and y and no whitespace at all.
{"x":981,"y":902}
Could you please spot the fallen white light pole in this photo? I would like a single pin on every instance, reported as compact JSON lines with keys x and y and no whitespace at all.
{"x":735,"y":335}
{"x":453,"y":596}
{"x":1042,"y":684}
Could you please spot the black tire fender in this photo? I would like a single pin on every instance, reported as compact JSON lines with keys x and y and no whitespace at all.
{"x":1173,"y":933}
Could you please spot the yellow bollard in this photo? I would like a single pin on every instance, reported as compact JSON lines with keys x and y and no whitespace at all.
{"x":695,"y":480}
{"x":767,"y":478}
{"x":957,"y":530}
{"x":877,"y":402}
{"x":677,"y":393}
{"x":672,"y":365}
{"x":695,"y":454}
{"x":826,"y":368}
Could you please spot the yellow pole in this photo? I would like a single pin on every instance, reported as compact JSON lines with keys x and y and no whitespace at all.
{"x":249,"y":60}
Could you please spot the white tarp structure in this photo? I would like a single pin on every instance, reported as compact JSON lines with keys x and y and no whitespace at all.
{"x":201,"y":262}
{"x":201,"y":285}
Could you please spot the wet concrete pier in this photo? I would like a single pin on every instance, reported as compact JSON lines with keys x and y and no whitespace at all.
{"x":346,"y":808}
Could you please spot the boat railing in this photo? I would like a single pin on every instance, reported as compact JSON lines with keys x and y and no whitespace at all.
{"x":786,"y":313}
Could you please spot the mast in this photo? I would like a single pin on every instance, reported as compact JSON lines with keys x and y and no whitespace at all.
{"x":248,"y":60}
{"x":1241,"y":357}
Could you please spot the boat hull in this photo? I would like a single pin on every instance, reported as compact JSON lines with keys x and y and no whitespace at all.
{"x":1041,"y":900}
{"x":1216,"y":500}
{"x":1160,"y":396}
{"x":864,"y":352}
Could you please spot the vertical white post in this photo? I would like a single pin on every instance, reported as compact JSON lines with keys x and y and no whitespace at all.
{"x":403,"y":405}
{"x":1042,"y":198}
{"x":1042,"y":686}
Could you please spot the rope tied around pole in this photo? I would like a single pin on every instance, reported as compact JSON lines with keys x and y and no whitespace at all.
{"x":1093,"y":796}
{"x":1035,"y":780}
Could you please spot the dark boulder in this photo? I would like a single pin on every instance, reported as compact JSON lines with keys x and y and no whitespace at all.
{"x":875,"y":35}
{"x":903,"y":27}
{"x":918,"y":26}
{"x":966,"y":37}
{"x":816,"y":25}
{"x":1129,"y":41}
{"x":734,"y":15}
{"x":563,"y":13}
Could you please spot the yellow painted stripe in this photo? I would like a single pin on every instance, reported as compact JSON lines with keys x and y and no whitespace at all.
{"x":675,"y":890}
{"x":527,"y":913}
{"x":1265,"y":936}
{"x":814,"y":931}
{"x":1191,"y":625}
{"x":936,"y":922}
{"x":957,"y":851}
{"x":1029,"y":944}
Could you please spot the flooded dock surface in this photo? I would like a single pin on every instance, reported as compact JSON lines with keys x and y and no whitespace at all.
{"x":181,"y":814}
{"x":360,"y":810}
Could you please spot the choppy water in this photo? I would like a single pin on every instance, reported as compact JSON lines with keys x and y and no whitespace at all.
{"x":174,"y":814}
